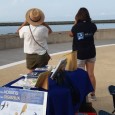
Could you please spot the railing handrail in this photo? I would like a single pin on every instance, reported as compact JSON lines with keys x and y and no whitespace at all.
{"x":55,"y":22}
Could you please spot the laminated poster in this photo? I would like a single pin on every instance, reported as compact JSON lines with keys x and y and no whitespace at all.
{"x":22,"y":102}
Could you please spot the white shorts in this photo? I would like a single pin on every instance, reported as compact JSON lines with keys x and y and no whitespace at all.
{"x":81,"y":63}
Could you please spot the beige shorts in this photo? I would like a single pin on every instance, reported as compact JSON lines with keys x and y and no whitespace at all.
{"x":81,"y":63}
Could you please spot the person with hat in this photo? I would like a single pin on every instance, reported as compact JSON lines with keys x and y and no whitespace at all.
{"x":35,"y":33}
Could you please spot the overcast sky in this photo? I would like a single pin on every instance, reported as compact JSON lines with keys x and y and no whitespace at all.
{"x":56,"y":10}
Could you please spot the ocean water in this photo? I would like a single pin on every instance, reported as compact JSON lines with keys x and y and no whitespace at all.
{"x":55,"y":28}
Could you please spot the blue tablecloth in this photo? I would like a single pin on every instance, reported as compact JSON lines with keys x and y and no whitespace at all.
{"x":81,"y":82}
{"x":59,"y":100}
{"x":59,"y":96}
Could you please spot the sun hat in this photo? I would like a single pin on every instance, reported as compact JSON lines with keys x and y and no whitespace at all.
{"x":35,"y":16}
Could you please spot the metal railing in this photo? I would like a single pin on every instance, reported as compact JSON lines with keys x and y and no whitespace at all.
{"x":55,"y":22}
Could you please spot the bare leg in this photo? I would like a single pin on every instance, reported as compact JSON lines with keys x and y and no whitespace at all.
{"x":90,"y":70}
{"x":30,"y":71}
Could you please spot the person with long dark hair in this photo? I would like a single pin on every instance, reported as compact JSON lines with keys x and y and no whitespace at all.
{"x":83,"y":32}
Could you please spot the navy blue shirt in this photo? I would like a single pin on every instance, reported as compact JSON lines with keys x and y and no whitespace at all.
{"x":83,"y":39}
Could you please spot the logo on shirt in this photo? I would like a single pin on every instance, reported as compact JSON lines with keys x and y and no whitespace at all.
{"x":80,"y":35}
{"x":88,"y":35}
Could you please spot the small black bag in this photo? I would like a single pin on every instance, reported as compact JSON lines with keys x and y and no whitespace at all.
{"x":48,"y":57}
{"x":59,"y":78}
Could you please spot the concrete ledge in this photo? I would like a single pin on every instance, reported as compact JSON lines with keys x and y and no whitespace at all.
{"x":13,"y":41}
{"x":59,"y":37}
{"x":10,"y":41}
{"x":105,"y":34}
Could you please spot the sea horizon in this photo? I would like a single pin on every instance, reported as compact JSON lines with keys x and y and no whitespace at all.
{"x":55,"y":28}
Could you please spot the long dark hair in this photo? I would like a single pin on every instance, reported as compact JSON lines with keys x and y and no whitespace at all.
{"x":83,"y":15}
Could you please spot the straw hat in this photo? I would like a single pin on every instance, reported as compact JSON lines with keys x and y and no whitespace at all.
{"x":35,"y":16}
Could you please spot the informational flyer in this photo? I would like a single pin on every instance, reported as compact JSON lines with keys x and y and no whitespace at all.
{"x":15,"y":101}
{"x":60,"y":66}
{"x":21,"y":82}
